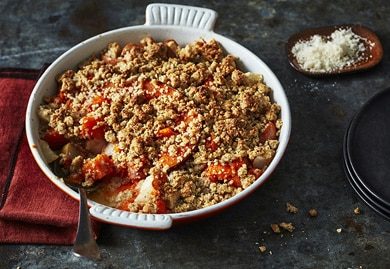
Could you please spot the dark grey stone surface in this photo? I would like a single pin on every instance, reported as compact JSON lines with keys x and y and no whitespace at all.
{"x":310,"y":175}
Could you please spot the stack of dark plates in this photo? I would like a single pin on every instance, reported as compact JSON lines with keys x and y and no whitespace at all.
{"x":367,"y":153}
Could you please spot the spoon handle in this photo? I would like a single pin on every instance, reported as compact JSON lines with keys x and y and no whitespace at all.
{"x":85,"y":244}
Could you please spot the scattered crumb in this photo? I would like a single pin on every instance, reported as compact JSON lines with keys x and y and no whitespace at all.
{"x":262,"y":248}
{"x":287,"y":226}
{"x":270,"y":252}
{"x":313,"y":213}
{"x":291,"y":208}
{"x":275,"y":228}
{"x":357,"y":211}
{"x":339,"y":230}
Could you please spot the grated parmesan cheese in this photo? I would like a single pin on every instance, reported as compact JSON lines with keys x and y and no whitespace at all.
{"x":323,"y":54}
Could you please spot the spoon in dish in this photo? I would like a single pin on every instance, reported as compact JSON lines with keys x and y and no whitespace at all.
{"x":85,"y":244}
{"x":370,"y":55}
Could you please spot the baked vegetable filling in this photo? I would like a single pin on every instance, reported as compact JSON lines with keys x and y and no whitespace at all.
{"x":160,"y":128}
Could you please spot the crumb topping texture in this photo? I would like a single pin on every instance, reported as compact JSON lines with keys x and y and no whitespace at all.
{"x":161,"y":128}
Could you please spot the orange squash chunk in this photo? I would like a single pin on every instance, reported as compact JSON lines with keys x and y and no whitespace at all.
{"x":225,"y":172}
{"x":99,"y":167}
{"x":90,"y":129}
{"x":170,"y":161}
{"x":211,"y":145}
{"x":165,"y":132}
{"x":183,"y":152}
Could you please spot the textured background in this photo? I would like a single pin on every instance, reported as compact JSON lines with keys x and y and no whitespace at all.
{"x":310,"y":175}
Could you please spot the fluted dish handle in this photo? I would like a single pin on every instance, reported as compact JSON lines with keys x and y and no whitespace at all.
{"x":137,"y":220}
{"x":180,"y":15}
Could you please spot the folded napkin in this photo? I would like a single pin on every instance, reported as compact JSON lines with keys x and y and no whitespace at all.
{"x":32,"y":209}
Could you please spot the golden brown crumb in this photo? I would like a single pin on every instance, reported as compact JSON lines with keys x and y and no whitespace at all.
{"x":357,"y":211}
{"x":188,"y":112}
{"x":262,"y":248}
{"x":313,"y":213}
{"x":287,"y":226}
{"x":275,"y":228}
{"x":291,"y":208}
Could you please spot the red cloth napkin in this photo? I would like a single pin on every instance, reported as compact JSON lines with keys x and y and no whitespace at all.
{"x":32,"y":209}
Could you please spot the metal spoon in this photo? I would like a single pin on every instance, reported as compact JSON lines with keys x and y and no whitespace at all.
{"x":85,"y":244}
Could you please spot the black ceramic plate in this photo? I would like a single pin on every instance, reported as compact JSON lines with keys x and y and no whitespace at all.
{"x":352,"y":176}
{"x":363,"y":194}
{"x":366,"y":196}
{"x":368,"y":147}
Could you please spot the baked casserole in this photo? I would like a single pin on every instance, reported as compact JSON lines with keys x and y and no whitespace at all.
{"x":160,"y":128}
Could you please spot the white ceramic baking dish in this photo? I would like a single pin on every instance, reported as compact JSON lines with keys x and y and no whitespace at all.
{"x":184,"y":24}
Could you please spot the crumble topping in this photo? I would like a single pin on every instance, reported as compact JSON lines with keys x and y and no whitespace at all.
{"x":160,"y":128}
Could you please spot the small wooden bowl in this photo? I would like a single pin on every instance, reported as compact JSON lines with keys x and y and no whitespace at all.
{"x":371,"y":56}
